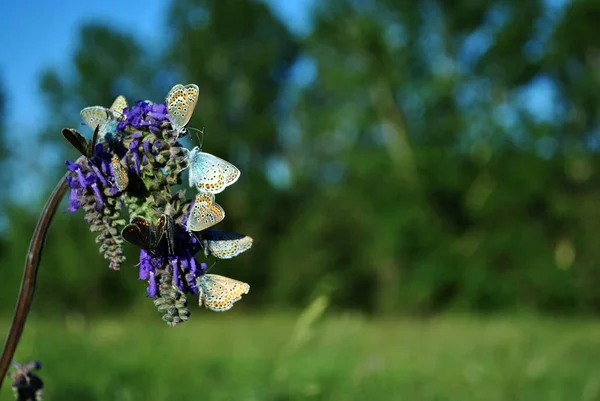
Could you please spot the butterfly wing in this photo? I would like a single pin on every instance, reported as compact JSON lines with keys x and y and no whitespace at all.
{"x":225,"y":244}
{"x":230,"y":172}
{"x":181,"y":101}
{"x":93,"y":141}
{"x":209,"y":173}
{"x":77,"y":140}
{"x":192,"y":91}
{"x":95,"y":116}
{"x":205,"y":212}
{"x":219,"y":293}
{"x":118,"y":106}
{"x":138,"y":235}
{"x":120,"y":174}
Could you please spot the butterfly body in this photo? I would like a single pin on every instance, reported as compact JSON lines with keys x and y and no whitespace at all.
{"x":143,"y":234}
{"x":219,"y":293}
{"x":169,"y":227}
{"x":223,"y":244}
{"x":170,"y":234}
{"x":181,"y":102}
{"x":205,"y":212}
{"x":209,"y":173}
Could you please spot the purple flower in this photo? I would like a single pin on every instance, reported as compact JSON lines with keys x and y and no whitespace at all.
{"x":152,"y":290}
{"x":92,"y":189}
{"x":133,"y":149}
{"x":142,"y":138}
{"x":144,"y":115}
{"x":147,"y":145}
{"x":84,"y":186}
{"x":174,"y":263}
{"x":91,"y":176}
{"x":74,"y":203}
{"x":99,"y":175}
{"x":149,"y":263}
{"x":181,"y":267}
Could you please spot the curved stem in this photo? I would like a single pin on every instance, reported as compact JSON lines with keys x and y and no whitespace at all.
{"x":32,"y":263}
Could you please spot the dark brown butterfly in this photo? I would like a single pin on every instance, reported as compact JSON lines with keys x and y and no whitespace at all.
{"x":169,"y":228}
{"x":79,"y":142}
{"x":143,"y":234}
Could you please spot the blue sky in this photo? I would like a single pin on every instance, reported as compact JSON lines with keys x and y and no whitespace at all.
{"x":43,"y":34}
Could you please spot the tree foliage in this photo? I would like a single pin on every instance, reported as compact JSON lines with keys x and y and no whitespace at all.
{"x":400,"y":157}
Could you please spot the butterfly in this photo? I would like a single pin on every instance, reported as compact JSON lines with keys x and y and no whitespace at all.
{"x":143,"y":234}
{"x":24,"y":377}
{"x":208,"y":173}
{"x":219,"y":293}
{"x":181,"y":102}
{"x":106,"y":119}
{"x":224,"y":244}
{"x":204,"y":213}
{"x":169,"y":225}
{"x":120,"y":174}
{"x":80,"y":143}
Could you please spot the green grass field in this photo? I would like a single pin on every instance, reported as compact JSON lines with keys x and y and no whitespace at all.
{"x":233,"y":356}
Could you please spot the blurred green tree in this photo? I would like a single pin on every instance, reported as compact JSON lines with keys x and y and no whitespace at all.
{"x":400,"y":157}
{"x":239,"y":54}
{"x":434,"y":183}
{"x":4,"y":153}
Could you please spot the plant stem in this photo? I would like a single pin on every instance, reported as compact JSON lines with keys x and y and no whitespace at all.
{"x":30,"y":273}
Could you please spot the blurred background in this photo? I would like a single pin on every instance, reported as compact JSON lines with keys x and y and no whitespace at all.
{"x":420,"y":179}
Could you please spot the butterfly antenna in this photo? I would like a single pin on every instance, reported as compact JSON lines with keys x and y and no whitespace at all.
{"x":199,"y":239}
{"x":157,"y":210}
{"x":211,"y":266}
{"x":194,"y":129}
{"x":201,"y":140}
